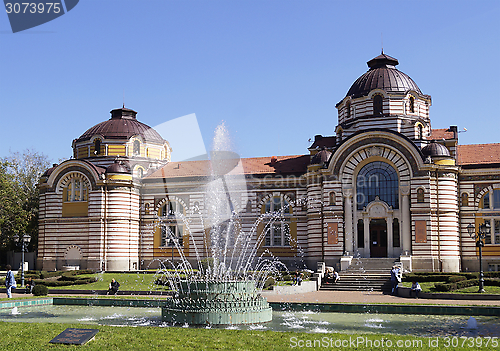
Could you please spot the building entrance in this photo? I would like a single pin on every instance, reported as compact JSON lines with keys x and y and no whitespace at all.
{"x":378,"y":238}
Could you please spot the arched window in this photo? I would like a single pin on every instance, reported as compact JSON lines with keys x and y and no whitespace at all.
{"x":377,"y":105}
{"x":278,"y":230}
{"x":171,"y":235}
{"x":75,"y":191}
{"x":420,"y":132}
{"x":139,"y":172}
{"x":339,"y":135}
{"x":172,"y":230}
{"x":420,"y":195}
{"x":377,"y":179}
{"x":97,"y":146}
{"x":171,"y":208}
{"x":465,"y":199}
{"x":332,"y":198}
{"x":412,"y":104}
{"x":137,"y":148}
{"x":485,"y":201}
{"x":348,"y":110}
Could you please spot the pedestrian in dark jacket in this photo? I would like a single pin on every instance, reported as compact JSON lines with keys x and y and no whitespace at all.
{"x":113,"y":287}
{"x":395,"y":280}
{"x":29,"y":285}
{"x":10,"y":282}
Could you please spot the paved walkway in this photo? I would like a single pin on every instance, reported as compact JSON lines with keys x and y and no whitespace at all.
{"x":368,"y":297}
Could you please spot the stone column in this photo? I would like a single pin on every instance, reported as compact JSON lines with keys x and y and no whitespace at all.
{"x":390,"y":246}
{"x":405,"y":218}
{"x":366,"y":225}
{"x":348,"y":220}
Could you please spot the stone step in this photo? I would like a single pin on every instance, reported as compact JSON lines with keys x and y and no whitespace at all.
{"x":356,"y":288}
{"x":343,"y":286}
{"x":350,"y":281}
{"x":371,"y":264}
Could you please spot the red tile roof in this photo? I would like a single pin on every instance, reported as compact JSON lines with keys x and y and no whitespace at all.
{"x":478,"y":154}
{"x":439,"y":134}
{"x":254,"y":165}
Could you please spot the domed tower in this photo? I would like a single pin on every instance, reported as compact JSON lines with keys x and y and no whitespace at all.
{"x":123,"y":137}
{"x":90,"y":205}
{"x":385,"y":98}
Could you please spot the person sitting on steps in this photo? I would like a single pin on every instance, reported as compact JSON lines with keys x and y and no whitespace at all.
{"x":29,"y":286}
{"x":297,"y":278}
{"x":415,"y":288}
{"x":113,"y":287}
{"x":336,"y":276}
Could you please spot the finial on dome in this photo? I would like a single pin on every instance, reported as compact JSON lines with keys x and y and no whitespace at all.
{"x":382,"y":42}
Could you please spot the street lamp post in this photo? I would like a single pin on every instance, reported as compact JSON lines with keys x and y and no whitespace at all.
{"x":24,"y":241}
{"x":484,"y":230}
{"x":171,"y":243}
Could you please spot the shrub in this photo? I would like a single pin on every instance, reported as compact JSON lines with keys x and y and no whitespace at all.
{"x":206,"y":262}
{"x":45,"y":274}
{"x":269,"y":283}
{"x":457,"y":278}
{"x":40,"y":290}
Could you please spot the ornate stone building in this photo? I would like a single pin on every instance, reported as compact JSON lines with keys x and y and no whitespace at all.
{"x":386,"y":185}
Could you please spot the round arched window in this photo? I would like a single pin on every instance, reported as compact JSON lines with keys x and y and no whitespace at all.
{"x":377,"y":179}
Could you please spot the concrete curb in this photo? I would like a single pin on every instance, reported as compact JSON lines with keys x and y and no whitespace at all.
{"x":405,"y":292}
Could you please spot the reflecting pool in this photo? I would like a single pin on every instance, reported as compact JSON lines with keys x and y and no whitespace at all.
{"x":308,"y":321}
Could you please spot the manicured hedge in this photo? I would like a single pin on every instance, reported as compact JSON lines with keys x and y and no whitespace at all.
{"x":464,"y":284}
{"x":40,"y":290}
{"x":440,"y":277}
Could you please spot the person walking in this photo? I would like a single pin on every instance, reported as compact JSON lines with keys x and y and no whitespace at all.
{"x":10,"y":282}
{"x":395,"y":280}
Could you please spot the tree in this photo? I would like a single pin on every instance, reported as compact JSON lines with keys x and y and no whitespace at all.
{"x":19,"y":195}
{"x":11,"y":213}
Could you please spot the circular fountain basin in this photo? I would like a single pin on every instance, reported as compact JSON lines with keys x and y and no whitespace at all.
{"x":217,"y":303}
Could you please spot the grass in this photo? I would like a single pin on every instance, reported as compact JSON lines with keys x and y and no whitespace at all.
{"x":36,"y":336}
{"x":428,"y":287}
{"x":473,"y":289}
{"x":128,"y":281}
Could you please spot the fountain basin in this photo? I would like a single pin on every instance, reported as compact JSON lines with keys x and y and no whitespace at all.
{"x":217,"y":303}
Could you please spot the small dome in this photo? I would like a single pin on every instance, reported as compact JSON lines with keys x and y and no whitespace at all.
{"x":321,"y":157}
{"x":118,"y":167}
{"x":122,"y":125}
{"x":435,"y":150}
{"x":382,"y":75}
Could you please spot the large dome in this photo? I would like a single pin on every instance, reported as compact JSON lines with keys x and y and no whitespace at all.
{"x":122,"y":125}
{"x":382,"y":75}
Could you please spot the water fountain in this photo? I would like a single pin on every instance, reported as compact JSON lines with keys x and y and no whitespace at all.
{"x":224,"y":289}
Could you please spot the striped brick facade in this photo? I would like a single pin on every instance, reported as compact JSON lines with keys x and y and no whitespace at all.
{"x":98,"y":214}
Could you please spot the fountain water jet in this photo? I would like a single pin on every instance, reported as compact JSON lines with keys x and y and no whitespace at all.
{"x":225,"y":289}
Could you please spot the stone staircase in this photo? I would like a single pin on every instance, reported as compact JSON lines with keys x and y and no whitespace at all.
{"x":364,"y":274}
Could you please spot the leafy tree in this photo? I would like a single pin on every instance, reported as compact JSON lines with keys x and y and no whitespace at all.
{"x":11,"y":213}
{"x":19,"y":195}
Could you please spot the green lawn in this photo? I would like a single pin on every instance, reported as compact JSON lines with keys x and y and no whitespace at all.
{"x":429,"y":288}
{"x":128,"y":281}
{"x":35,"y":336}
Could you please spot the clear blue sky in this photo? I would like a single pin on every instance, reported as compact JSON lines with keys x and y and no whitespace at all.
{"x":272,"y":70}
